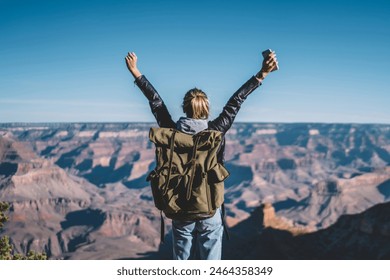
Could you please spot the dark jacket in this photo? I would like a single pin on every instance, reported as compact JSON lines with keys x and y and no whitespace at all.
{"x":222,"y":123}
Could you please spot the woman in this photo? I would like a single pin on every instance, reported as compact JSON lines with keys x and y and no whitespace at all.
{"x":203,"y":236}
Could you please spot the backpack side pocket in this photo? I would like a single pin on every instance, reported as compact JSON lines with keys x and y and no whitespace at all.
{"x":215,"y":178}
{"x":157,"y":181}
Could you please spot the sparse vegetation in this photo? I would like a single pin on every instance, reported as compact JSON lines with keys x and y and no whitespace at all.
{"x":6,"y":249}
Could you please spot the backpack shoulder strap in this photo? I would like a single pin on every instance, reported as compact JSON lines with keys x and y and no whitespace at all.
{"x":193,"y":167}
{"x":172,"y":147}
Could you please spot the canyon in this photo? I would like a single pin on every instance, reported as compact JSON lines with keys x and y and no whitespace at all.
{"x":296,"y":191}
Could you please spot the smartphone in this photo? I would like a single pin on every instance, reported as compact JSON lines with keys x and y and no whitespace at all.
{"x":265,"y":54}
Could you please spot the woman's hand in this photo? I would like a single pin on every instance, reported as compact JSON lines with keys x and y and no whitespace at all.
{"x":131,"y":62}
{"x":269,"y":64}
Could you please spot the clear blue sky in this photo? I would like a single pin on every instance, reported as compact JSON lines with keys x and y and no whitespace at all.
{"x":64,"y":60}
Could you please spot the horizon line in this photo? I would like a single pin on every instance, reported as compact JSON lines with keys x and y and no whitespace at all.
{"x":142,"y":122}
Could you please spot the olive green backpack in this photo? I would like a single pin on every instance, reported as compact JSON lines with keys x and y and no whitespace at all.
{"x":188,"y":182}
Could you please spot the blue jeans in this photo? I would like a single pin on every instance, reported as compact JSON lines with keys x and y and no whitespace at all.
{"x":198,"y":239}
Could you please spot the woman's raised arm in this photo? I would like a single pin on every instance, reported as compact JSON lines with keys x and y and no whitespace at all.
{"x":156,"y":103}
{"x":225,"y":120}
{"x":131,"y":62}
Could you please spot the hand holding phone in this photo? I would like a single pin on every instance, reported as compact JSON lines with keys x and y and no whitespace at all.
{"x":265,"y":54}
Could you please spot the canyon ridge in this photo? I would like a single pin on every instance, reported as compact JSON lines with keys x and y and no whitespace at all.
{"x":296,"y":191}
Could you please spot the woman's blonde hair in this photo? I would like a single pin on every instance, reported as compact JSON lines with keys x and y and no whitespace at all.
{"x":196,"y":104}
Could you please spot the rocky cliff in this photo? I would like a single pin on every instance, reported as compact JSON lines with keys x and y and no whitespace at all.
{"x":360,"y":236}
{"x":79,"y":190}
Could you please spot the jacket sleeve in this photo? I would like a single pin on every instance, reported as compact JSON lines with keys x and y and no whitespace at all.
{"x":157,"y":105}
{"x":225,"y":120}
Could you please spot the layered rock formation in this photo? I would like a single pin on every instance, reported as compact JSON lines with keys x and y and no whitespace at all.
{"x":79,"y":190}
{"x":53,"y":210}
{"x":360,"y":236}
